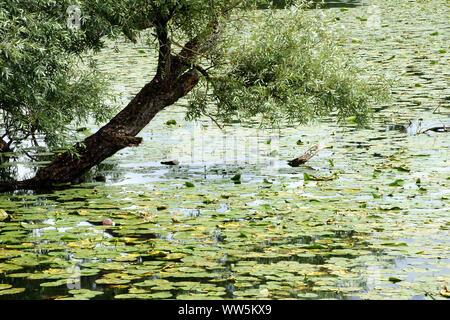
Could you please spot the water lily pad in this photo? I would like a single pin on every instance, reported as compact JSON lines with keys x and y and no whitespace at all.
{"x":173,"y":257}
{"x":445,"y":292}
{"x":11,"y":291}
{"x":394,"y":279}
{"x":384,"y":216}
{"x":84,"y":293}
{"x":6,"y":254}
{"x":151,"y":283}
{"x":112,"y":281}
{"x":397,"y":183}
{"x":161,"y":295}
{"x":127,"y":257}
{"x":19,"y":275}
{"x":133,"y":296}
{"x":3,"y":215}
{"x":307,"y":295}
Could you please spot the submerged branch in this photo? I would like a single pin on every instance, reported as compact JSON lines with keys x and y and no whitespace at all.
{"x":4,"y":146}
{"x":302,"y":159}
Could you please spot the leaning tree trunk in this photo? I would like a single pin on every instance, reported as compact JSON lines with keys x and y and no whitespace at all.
{"x":119,"y":133}
{"x":176,"y":76}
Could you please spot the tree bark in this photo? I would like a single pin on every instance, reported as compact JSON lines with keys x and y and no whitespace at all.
{"x":117,"y":134}
{"x":4,"y":147}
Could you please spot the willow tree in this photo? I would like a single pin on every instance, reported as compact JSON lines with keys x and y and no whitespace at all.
{"x":233,"y":60}
{"x":41,"y":91}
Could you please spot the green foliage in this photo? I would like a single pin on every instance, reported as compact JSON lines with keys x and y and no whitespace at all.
{"x":45,"y":82}
{"x":278,"y":64}
{"x":186,"y":18}
{"x":284,"y":65}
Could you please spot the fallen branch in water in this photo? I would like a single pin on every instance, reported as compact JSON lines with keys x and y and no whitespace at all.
{"x":170,"y":163}
{"x":436,"y":129}
{"x":311,"y":152}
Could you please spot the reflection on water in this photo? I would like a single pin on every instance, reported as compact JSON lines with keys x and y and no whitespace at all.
{"x":378,"y":229}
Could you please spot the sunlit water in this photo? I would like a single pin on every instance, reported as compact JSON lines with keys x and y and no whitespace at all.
{"x":377,"y":230}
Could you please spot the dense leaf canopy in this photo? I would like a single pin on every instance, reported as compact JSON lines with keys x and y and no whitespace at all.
{"x":280,"y":64}
{"x":285,"y":66}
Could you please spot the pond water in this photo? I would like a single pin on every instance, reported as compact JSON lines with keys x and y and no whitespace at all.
{"x":367,"y":218}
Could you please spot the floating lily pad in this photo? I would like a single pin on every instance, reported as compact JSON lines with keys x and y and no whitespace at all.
{"x":19,"y":275}
{"x":3,"y":215}
{"x":173,"y":257}
{"x":112,"y":281}
{"x":397,"y":183}
{"x":57,"y":283}
{"x":11,"y":291}
{"x":382,"y":215}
